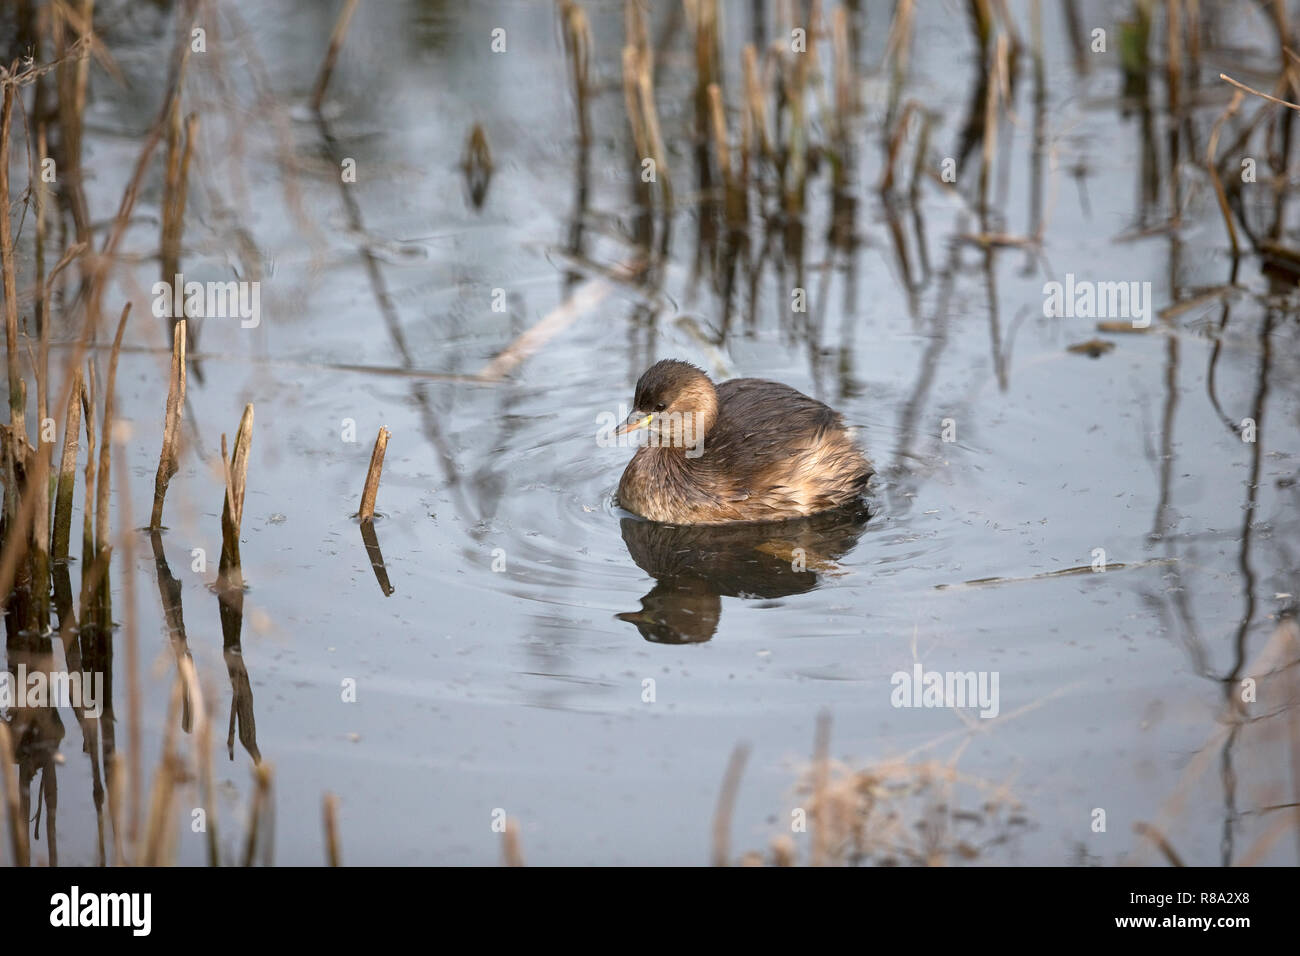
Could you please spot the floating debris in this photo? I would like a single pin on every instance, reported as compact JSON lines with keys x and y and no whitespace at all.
{"x":1093,"y":348}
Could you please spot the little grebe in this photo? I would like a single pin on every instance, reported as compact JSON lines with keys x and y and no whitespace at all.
{"x":745,"y":450}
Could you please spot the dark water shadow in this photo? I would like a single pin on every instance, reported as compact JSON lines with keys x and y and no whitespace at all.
{"x":695,"y":566}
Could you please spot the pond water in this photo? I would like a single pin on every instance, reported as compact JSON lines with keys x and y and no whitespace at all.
{"x":531,"y":649}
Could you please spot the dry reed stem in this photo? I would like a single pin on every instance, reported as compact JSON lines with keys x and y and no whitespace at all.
{"x":718,"y":125}
{"x":44,"y":284}
{"x":88,"y":398}
{"x":68,"y":468}
{"x":261,"y":800}
{"x":168,"y":457}
{"x":1174,"y":53}
{"x":756,"y":105}
{"x":989,"y":146}
{"x":337,"y":36}
{"x":1254,"y":92}
{"x":36,"y":71}
{"x":71,"y":76}
{"x":371,"y":489}
{"x":329,"y":813}
{"x":13,"y":806}
{"x":1211,"y":163}
{"x":18,"y":434}
{"x":821,"y":776}
{"x":510,"y":844}
{"x":232,"y":514}
{"x":40,"y":196}
{"x":171,"y":184}
{"x":176,"y":187}
{"x":19,"y":534}
{"x":727,"y":804}
{"x":845,"y":94}
{"x":105,"y":443}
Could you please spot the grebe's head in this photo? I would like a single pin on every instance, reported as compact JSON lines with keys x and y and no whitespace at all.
{"x":676,"y":402}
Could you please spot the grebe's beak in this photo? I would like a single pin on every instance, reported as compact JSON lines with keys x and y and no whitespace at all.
{"x":634,"y":422}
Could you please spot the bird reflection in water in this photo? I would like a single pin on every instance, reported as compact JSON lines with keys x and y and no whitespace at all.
{"x":695,"y":566}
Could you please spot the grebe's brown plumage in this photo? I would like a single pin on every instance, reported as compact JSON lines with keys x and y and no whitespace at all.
{"x":769,"y":452}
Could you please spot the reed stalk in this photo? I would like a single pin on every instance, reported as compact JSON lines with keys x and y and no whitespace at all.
{"x":168,"y":458}
{"x":371,"y":489}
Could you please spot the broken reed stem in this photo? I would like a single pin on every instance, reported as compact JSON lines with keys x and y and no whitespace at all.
{"x":105,"y":433}
{"x":510,"y":844}
{"x":332,"y":54}
{"x":1211,"y":162}
{"x":13,"y":806}
{"x":68,"y":468}
{"x":167,"y":458}
{"x":371,"y":488}
{"x":727,"y":804}
{"x":330,"y":811}
{"x":232,"y":514}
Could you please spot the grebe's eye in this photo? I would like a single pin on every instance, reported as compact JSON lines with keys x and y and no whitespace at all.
{"x":661,"y":406}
